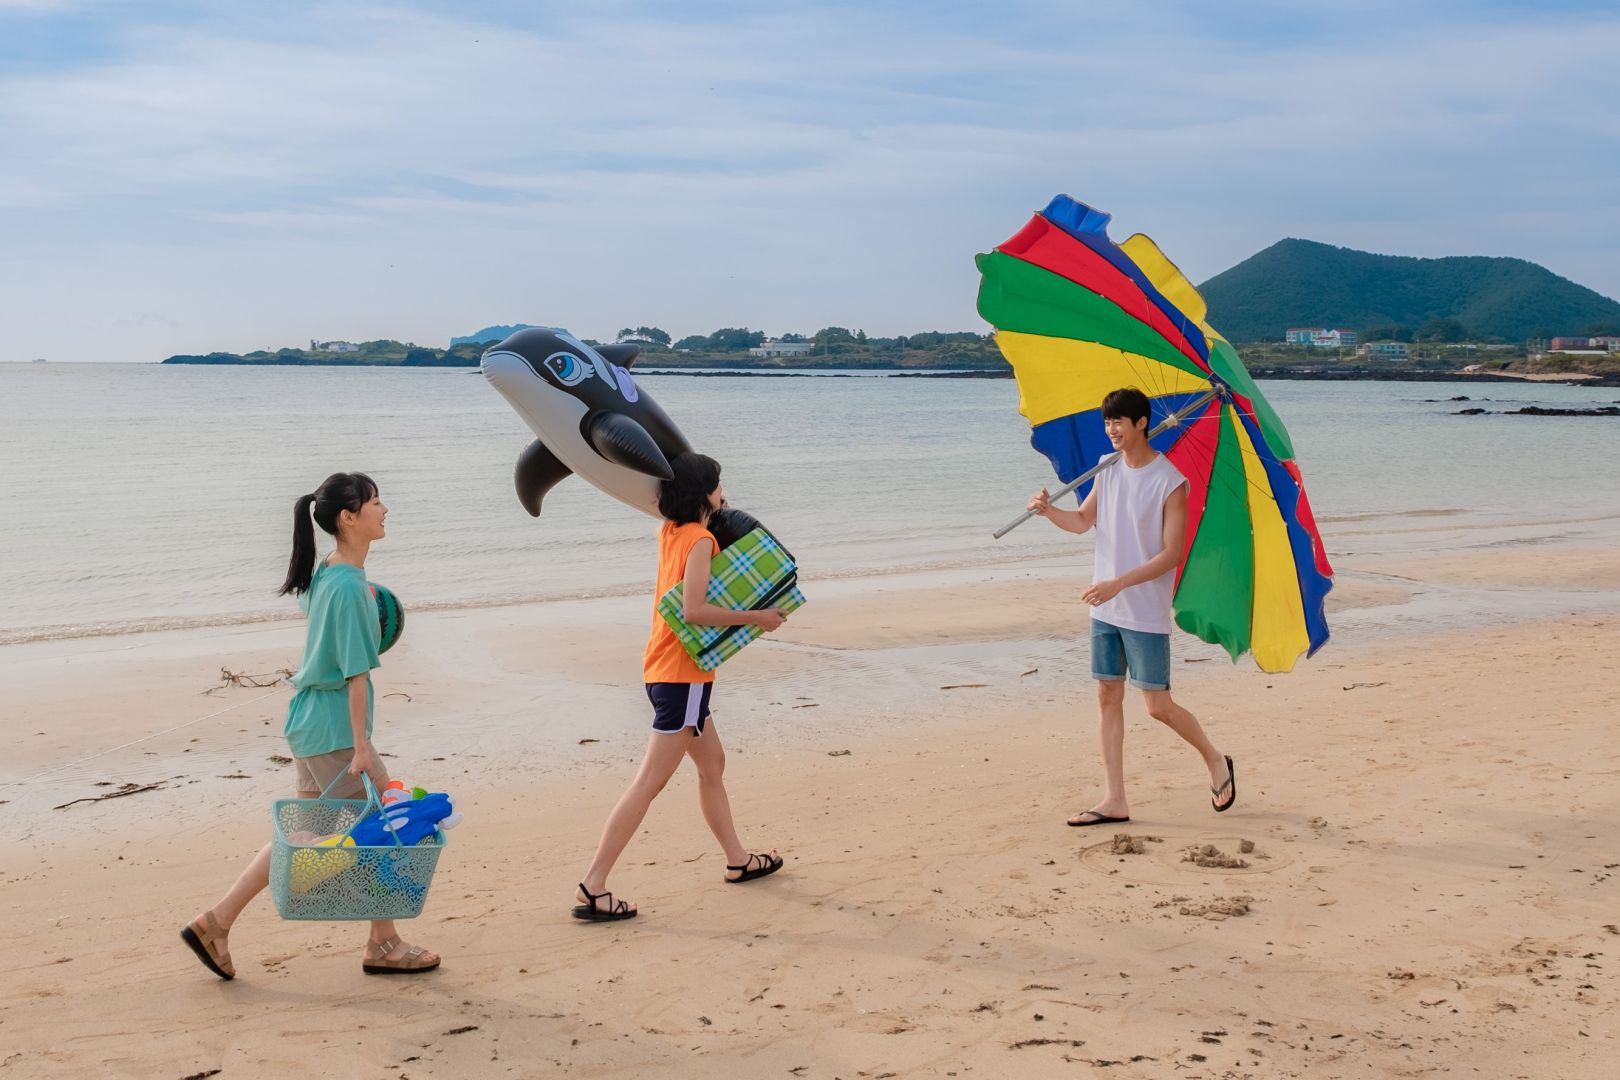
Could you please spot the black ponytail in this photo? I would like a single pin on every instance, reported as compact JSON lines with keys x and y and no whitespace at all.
{"x":302,"y":566}
{"x":338,"y":492}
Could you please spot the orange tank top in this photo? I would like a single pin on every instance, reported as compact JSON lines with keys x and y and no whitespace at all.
{"x":665,"y":659}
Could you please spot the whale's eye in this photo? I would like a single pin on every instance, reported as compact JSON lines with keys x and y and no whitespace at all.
{"x":569,"y":369}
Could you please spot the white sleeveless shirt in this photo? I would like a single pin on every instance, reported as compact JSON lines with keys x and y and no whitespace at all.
{"x":1130,"y":531}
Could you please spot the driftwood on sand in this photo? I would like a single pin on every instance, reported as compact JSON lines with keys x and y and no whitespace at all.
{"x":126,"y":789}
{"x":228,"y":678}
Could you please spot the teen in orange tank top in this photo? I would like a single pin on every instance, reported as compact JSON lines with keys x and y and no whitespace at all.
{"x":666,"y":660}
{"x":679,"y":692}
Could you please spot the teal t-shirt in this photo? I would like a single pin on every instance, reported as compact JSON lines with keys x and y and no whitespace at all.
{"x":341,"y":642}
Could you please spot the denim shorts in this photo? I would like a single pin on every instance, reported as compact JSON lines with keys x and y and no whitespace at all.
{"x":1116,"y":651}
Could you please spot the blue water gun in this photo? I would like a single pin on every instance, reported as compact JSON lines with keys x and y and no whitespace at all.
{"x":411,"y":820}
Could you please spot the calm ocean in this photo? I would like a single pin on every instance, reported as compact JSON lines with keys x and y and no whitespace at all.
{"x":142,"y":496}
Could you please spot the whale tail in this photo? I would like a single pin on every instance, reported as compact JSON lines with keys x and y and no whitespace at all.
{"x":537,"y":472}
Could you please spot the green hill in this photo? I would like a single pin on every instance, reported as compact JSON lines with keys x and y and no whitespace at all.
{"x":488,"y":334}
{"x":1304,"y":283}
{"x":382,"y":353}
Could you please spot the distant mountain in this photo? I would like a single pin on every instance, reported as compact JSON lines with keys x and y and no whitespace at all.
{"x":1304,"y":283}
{"x":488,"y":333}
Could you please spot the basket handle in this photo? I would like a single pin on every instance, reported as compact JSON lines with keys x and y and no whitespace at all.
{"x":371,"y":797}
{"x":376,"y":804}
{"x":341,"y":773}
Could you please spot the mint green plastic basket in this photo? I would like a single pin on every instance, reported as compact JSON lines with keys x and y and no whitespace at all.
{"x":331,"y":883}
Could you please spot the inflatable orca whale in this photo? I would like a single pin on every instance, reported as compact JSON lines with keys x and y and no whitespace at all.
{"x":588,"y":414}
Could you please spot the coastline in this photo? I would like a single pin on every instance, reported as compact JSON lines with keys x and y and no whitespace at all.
{"x":1566,"y":378}
{"x":1311,"y":374}
{"x":713,"y":368}
{"x":935,"y":915}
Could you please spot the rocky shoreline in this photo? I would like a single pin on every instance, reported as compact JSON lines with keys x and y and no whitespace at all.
{"x":1361,"y":374}
{"x":1539,"y":410}
{"x":1358,"y":374}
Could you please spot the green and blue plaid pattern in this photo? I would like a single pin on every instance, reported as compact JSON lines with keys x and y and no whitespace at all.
{"x":754,"y":573}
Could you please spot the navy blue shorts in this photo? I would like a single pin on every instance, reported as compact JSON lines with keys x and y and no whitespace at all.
{"x":679,"y":705}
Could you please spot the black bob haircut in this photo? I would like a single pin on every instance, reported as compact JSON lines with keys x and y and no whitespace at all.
{"x":684,"y":498}
{"x":1126,"y":403}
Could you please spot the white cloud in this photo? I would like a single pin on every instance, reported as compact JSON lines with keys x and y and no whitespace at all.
{"x":391,"y":174}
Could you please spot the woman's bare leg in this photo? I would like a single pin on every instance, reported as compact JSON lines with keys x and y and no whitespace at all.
{"x":254,"y":879}
{"x":663,"y":757}
{"x":709,"y":755}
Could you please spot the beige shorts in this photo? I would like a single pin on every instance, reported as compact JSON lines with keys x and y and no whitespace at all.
{"x":314,"y":773}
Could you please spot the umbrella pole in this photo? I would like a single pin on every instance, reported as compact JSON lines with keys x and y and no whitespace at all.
{"x":1173,"y":420}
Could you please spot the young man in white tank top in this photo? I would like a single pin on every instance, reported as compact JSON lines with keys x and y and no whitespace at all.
{"x":1138,"y":506}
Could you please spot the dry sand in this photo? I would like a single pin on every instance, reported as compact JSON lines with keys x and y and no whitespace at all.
{"x":1425,"y":821}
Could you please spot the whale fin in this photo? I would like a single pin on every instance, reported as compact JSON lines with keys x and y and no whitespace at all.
{"x":622,"y":441}
{"x":537,"y":472}
{"x":623,"y":355}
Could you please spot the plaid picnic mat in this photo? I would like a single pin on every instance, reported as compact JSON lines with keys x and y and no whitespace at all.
{"x":755,"y":572}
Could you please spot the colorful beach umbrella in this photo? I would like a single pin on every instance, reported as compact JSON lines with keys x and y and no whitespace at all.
{"x":1078,"y":316}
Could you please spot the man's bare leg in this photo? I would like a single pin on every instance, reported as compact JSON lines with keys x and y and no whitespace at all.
{"x":1163,"y":708}
{"x":1111,"y":738}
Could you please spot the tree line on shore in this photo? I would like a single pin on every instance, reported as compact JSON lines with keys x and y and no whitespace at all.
{"x":1452,"y":331}
{"x":839,"y":347}
{"x":833,"y":346}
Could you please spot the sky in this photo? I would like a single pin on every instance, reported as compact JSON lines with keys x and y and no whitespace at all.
{"x":190,"y":177}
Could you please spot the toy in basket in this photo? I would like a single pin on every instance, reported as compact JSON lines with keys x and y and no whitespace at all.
{"x":370,"y":858}
{"x":753,"y":571}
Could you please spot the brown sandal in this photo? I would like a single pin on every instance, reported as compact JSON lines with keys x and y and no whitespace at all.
{"x":210,"y":945}
{"x":409,"y":964}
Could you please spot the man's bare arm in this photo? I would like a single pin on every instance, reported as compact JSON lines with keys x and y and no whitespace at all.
{"x":1075,"y":521}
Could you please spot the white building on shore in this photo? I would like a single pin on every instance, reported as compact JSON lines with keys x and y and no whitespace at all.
{"x":772,"y":347}
{"x":332,"y":346}
{"x":1321,"y":337}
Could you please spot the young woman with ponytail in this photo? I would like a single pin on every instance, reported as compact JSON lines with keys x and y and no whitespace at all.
{"x":679,"y":692}
{"x":329,"y":718}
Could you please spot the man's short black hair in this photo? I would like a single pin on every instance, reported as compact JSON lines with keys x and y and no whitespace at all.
{"x":1126,"y":403}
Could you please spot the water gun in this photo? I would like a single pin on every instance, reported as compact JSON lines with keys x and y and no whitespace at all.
{"x":412,"y":815}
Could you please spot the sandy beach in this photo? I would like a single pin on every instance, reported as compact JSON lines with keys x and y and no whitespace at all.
{"x":496,"y":304}
{"x":1425,"y":827}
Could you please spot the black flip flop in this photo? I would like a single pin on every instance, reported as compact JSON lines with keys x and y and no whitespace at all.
{"x":1231,"y":782}
{"x":616,"y":909}
{"x":1097,"y":819}
{"x":771,"y":864}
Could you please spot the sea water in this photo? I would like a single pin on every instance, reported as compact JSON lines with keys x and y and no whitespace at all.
{"x":138,"y":496}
